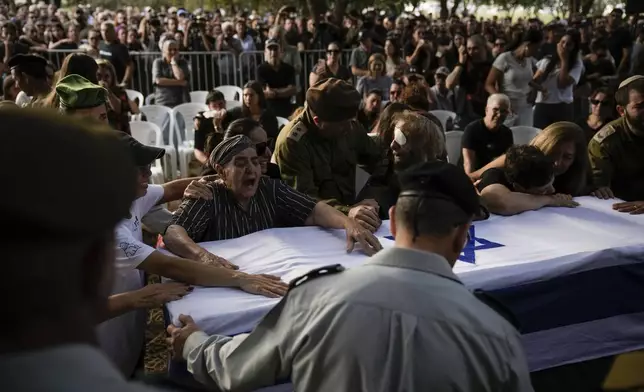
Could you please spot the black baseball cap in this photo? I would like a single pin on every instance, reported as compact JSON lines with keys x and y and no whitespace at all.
{"x":141,"y":154}
{"x":449,"y":192}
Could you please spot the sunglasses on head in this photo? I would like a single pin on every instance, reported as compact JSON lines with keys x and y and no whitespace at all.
{"x":598,"y":102}
{"x":261,"y":148}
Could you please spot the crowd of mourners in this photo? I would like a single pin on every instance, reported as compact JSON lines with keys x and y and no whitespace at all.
{"x":578,"y":83}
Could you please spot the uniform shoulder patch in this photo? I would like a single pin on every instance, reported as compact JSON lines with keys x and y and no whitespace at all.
{"x":316,"y":273}
{"x":604,"y":133}
{"x":297,"y":131}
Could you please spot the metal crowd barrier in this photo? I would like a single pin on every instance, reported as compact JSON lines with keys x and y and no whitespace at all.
{"x":211,"y":69}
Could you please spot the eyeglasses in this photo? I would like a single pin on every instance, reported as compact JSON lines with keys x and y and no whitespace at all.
{"x":598,"y":102}
{"x":261,"y":148}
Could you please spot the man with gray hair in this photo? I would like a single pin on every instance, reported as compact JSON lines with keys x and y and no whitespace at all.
{"x":488,"y":138}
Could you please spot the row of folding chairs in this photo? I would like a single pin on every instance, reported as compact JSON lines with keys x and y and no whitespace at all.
{"x":521,"y":134}
{"x":231,"y":93}
{"x":180,"y":143}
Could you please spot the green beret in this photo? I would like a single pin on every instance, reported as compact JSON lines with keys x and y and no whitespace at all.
{"x":76,"y":92}
{"x":333,"y":100}
{"x":94,"y":168}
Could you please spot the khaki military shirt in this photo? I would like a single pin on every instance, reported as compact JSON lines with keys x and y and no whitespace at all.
{"x":616,"y":155}
{"x":323,"y":168}
{"x":401,"y":322}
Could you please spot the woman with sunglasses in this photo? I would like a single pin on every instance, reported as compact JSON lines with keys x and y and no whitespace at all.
{"x":601,"y":112}
{"x":330,"y":67}
{"x":254,"y":131}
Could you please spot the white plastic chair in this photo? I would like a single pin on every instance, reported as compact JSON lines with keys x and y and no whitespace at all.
{"x":198,"y":96}
{"x":233,"y":104}
{"x":281,"y":122}
{"x":453,"y":146}
{"x":158,"y":115}
{"x":149,"y":134}
{"x":135,"y":96}
{"x":186,"y":143}
{"x":149,"y":100}
{"x":443,"y":116}
{"x":524,"y":134}
{"x":231,"y":93}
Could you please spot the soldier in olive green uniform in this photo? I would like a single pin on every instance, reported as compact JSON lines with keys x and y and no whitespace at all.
{"x":318,"y":151}
{"x":616,"y":152}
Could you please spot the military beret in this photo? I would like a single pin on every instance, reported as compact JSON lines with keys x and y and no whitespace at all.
{"x":76,"y":92}
{"x":228,"y":148}
{"x":448,"y":190}
{"x":333,"y":100}
{"x":29,"y":64}
{"x":87,"y":186}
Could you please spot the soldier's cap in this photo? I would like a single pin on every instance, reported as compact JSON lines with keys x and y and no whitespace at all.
{"x":630,"y":80}
{"x":447,"y":191}
{"x":97,"y":174}
{"x":271,"y":43}
{"x":76,"y":92}
{"x":141,"y":154}
{"x":29,"y":64}
{"x":228,"y":148}
{"x":333,"y":100}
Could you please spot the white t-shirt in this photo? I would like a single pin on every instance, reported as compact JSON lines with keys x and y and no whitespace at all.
{"x":122,"y":338}
{"x":556,"y":94}
{"x":516,"y":77}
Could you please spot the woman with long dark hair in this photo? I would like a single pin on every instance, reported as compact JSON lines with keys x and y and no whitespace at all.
{"x":555,"y":80}
{"x":75,"y":63}
{"x":511,"y":74}
{"x":121,"y":105}
{"x":254,"y":107}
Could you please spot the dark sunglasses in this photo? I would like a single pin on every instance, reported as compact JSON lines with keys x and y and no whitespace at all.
{"x":261,"y":148}
{"x":598,"y":102}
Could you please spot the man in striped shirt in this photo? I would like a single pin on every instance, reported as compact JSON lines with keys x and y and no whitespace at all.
{"x":245,"y":202}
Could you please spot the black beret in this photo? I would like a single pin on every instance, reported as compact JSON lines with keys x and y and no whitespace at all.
{"x":29,"y":64}
{"x":333,"y":100}
{"x":86,"y":182}
{"x":448,"y":189}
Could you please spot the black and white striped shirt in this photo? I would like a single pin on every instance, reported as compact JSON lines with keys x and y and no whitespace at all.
{"x":275,"y":204}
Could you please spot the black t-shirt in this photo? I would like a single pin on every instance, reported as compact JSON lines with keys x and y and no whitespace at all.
{"x":618,"y":40}
{"x":494,"y":176}
{"x":203,"y":129}
{"x":487,"y":145}
{"x":118,"y":55}
{"x":421,"y":60}
{"x":343,"y":73}
{"x":472,"y":80}
{"x":277,"y":78}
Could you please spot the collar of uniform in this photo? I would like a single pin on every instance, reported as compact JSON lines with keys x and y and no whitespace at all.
{"x":635,"y":131}
{"x":406,"y":258}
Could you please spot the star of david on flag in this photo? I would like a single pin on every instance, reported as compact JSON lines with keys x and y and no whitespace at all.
{"x":474,"y":243}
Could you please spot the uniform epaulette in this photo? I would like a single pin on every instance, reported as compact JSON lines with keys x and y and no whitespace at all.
{"x":604,"y":133}
{"x":316,"y":273}
{"x":297,"y":131}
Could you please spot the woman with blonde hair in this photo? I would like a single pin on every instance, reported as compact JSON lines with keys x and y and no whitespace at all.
{"x":377,"y":77}
{"x":565,"y":143}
